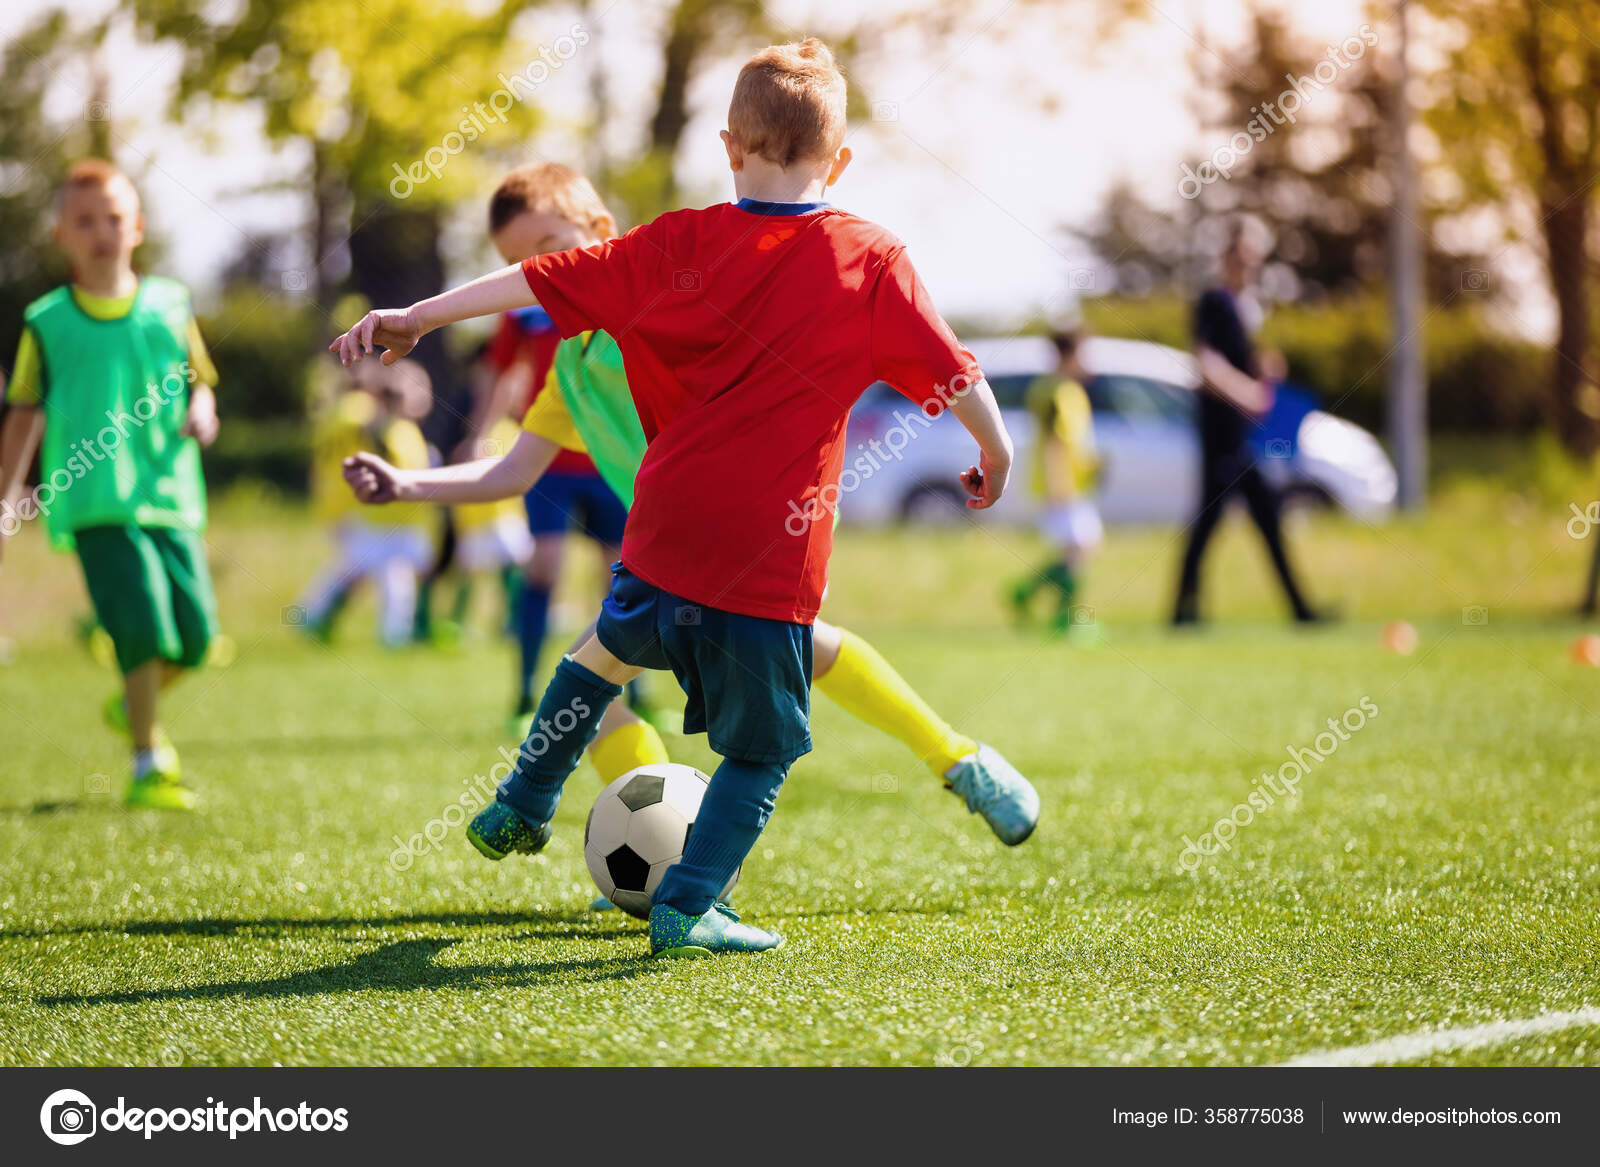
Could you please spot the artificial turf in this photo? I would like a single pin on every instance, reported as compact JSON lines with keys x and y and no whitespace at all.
{"x":1441,"y":867}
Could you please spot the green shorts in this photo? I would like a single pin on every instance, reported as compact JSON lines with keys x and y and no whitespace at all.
{"x":151,"y":591}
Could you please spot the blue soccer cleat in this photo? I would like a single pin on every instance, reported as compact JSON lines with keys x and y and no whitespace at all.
{"x":498,"y":830}
{"x":993,"y":788}
{"x":674,"y":934}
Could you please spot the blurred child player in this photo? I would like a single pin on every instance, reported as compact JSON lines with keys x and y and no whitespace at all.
{"x":1066,"y":468}
{"x":748,"y":331}
{"x":588,"y":407}
{"x":572,"y":497}
{"x":377,"y":409}
{"x":112,"y":375}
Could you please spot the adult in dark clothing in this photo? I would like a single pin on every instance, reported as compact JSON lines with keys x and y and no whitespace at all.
{"x":1232,"y":396}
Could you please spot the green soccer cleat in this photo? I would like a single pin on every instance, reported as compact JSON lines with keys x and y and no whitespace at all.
{"x":678,"y":936}
{"x":992,"y":787}
{"x":160,"y":788}
{"x":498,"y":831}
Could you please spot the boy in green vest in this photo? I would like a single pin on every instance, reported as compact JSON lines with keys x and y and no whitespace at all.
{"x":112,"y":374}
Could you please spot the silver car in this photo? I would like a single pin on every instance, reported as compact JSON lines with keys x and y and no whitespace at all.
{"x":899,"y":466}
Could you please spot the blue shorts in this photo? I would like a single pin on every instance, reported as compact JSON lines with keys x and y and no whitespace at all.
{"x":748,"y":680}
{"x":559,"y":502}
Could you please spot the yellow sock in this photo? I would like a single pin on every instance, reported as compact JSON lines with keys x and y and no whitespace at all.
{"x":627,"y":748}
{"x":862,"y":683}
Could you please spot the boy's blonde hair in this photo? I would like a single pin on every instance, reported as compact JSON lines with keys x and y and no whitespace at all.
{"x":788,"y":104}
{"x":95,"y":173}
{"x":554,"y":189}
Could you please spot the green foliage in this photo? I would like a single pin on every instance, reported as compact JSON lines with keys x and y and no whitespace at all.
{"x":258,"y":342}
{"x":34,"y":154}
{"x":372,"y":87}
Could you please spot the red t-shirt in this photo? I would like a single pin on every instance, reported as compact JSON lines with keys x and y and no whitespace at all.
{"x":747,"y":335}
{"x":528,"y":335}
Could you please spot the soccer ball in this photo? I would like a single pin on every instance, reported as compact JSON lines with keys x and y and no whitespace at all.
{"x":639,"y":827}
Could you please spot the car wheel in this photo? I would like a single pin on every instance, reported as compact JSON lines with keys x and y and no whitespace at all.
{"x":1306,"y":498}
{"x":933,"y":504}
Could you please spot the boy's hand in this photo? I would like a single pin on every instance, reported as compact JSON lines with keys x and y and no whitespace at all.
{"x":200,"y":423}
{"x":374,"y":480}
{"x":396,"y":330}
{"x":985,"y":482}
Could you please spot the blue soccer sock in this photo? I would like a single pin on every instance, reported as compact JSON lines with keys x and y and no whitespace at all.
{"x":569,"y":713}
{"x":736,"y":807}
{"x":533,"y":622}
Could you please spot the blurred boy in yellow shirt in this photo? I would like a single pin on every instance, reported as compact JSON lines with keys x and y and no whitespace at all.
{"x":376,"y":408}
{"x":1067,"y":468}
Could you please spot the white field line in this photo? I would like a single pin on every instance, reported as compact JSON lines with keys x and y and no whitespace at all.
{"x":1412,"y":1047}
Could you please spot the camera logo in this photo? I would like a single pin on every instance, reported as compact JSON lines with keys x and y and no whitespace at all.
{"x":1279,"y":448}
{"x":68,"y":1117}
{"x":686,"y":280}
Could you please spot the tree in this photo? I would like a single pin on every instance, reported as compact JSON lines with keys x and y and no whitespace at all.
{"x":34,"y":155}
{"x":1517,"y":114}
{"x":385,"y":100}
{"x":1320,"y":181}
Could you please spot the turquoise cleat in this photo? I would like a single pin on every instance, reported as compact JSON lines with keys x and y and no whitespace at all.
{"x":674,"y":934}
{"x":498,"y":831}
{"x":993,"y":788}
{"x":601,"y":904}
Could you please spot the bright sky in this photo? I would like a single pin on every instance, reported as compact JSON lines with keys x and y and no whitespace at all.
{"x":976,"y":176}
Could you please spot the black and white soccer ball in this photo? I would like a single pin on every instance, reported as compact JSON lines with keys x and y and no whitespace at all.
{"x":639,"y":827}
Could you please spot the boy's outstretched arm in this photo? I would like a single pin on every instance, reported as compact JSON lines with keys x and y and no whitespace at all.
{"x":976,"y":409}
{"x":19,"y":437}
{"x":397,"y":330}
{"x":487,"y":479}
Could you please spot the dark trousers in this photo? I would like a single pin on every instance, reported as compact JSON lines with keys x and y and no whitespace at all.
{"x":1223,"y":475}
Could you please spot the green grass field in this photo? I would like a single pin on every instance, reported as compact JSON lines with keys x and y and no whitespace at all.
{"x":1440,"y":868}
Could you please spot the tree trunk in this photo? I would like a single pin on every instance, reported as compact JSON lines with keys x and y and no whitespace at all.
{"x":685,"y":40}
{"x":1566,"y":232}
{"x":395,"y":261}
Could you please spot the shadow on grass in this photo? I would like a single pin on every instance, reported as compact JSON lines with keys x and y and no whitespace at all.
{"x":404,"y":966}
{"x":561,"y":926}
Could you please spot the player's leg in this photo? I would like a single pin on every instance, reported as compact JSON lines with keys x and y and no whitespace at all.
{"x":1051,"y":574}
{"x":747,"y":681}
{"x":549,"y":518}
{"x":397,"y":600}
{"x":132,"y":597}
{"x":854,"y":676}
{"x":584,"y":686}
{"x":1265,"y":509}
{"x":1215,"y":486}
{"x":1079,"y":535}
{"x":330,"y":590}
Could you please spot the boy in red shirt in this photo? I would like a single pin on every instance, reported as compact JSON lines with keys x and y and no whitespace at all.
{"x":748,"y":331}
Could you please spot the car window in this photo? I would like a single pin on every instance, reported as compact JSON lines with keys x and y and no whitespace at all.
{"x":1010,"y":392}
{"x":1010,"y":389}
{"x":1139,"y":397}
